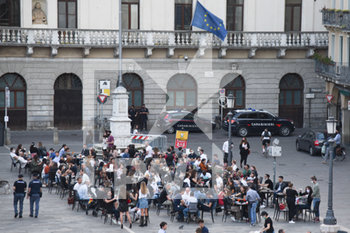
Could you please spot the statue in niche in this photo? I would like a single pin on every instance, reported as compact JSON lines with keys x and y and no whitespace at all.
{"x":38,"y":15}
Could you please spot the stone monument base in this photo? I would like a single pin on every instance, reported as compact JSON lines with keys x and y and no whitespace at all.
{"x":329,"y":228}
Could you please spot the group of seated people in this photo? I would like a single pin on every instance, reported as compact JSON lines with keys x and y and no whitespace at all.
{"x":130,"y":181}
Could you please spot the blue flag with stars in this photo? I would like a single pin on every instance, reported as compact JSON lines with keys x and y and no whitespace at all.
{"x":209,"y":22}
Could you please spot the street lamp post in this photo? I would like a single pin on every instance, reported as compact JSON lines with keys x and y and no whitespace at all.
{"x":120,"y":73}
{"x":230,"y":105}
{"x":331,"y":129}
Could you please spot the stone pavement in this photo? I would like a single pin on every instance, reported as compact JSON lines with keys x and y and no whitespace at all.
{"x":57,"y":216}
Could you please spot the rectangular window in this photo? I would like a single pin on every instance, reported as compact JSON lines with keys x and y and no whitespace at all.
{"x":341,"y":50}
{"x":234,"y":12}
{"x":180,"y":98}
{"x":67,"y":13}
{"x":289,"y":99}
{"x":342,"y":4}
{"x":10,"y":13}
{"x":170,"y":101}
{"x":292,"y":15}
{"x":190,"y":98}
{"x":130,"y":14}
{"x":183,"y":14}
{"x":332,"y":46}
{"x":20,"y":99}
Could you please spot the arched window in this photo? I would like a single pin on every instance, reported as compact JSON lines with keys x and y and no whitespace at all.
{"x":182,"y":92}
{"x":17,"y":110}
{"x":291,"y":104}
{"x":134,"y":85}
{"x":236,"y":86}
{"x":68,"y":102}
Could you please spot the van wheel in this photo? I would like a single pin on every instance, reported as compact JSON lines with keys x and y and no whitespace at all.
{"x":243,"y":132}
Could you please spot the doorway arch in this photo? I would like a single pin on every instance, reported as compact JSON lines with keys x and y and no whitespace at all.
{"x":291,"y":99}
{"x":17,"y":112}
{"x":68,"y":102}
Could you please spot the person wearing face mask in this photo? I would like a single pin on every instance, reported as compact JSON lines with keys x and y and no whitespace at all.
{"x":308,"y":194}
{"x":268,"y":225}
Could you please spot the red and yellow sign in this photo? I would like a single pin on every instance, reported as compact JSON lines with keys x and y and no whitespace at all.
{"x":181,"y":139}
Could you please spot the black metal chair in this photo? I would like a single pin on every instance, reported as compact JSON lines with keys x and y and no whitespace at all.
{"x":211,"y":211}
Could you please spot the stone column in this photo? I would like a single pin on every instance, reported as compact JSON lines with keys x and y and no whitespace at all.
{"x":120,"y":122}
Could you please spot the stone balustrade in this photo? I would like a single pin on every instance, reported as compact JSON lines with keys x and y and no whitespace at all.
{"x":159,"y":39}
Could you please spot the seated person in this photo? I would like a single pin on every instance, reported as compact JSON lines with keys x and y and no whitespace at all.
{"x":209,"y":203}
{"x":111,"y":206}
{"x":279,"y":187}
{"x":190,"y":200}
{"x":82,"y":189}
{"x":306,"y":194}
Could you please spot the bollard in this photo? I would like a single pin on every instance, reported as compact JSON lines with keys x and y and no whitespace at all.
{"x":55,"y":136}
{"x":7,"y":136}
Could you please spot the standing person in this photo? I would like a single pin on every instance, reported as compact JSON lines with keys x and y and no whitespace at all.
{"x":244,"y":150}
{"x":268,"y":225}
{"x":291,"y":195}
{"x":163,"y":226}
{"x":132,"y":116}
{"x":42,"y":152}
{"x":123,"y":206}
{"x":316,"y":198}
{"x":266,"y":139}
{"x":19,"y":192}
{"x":201,"y":226}
{"x":144,"y":117}
{"x":225,"y":150}
{"x":110,"y":140}
{"x":35,"y":193}
{"x":253,"y":198}
{"x":85,"y":150}
{"x":143,"y":204}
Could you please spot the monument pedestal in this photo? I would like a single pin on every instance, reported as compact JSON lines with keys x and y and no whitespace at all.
{"x":120,"y":122}
{"x":329,"y":228}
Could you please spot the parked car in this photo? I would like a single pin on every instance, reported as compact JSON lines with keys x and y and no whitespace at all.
{"x":253,"y":122}
{"x":170,"y":121}
{"x":311,"y":142}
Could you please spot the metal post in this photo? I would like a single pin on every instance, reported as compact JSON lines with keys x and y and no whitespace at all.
{"x":229,"y":161}
{"x":6,"y":104}
{"x":274,"y":171}
{"x":330,"y":219}
{"x":120,"y":80}
{"x":222,"y":115}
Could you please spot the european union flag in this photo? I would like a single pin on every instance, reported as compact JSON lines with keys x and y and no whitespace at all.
{"x":207,"y":21}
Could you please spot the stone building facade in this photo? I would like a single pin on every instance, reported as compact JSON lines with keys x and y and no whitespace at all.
{"x":54,"y":73}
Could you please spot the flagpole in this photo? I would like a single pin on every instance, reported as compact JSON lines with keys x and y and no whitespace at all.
{"x":120,"y":80}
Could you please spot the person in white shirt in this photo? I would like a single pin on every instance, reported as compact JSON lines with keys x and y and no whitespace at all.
{"x":186,"y":194}
{"x":149,"y":151}
{"x":202,"y":155}
{"x":22,"y":160}
{"x":225,"y":150}
{"x":219,"y":182}
{"x":85,"y":177}
{"x":163,"y":227}
{"x":234,"y":165}
{"x":82,"y":189}
{"x":191,"y":199}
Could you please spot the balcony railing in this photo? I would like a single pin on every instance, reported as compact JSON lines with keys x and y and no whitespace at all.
{"x":335,"y":72}
{"x":158,"y":39}
{"x":336,"y":18}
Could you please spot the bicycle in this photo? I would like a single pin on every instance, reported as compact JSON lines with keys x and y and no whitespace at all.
{"x":340,"y":153}
{"x":266,"y":145}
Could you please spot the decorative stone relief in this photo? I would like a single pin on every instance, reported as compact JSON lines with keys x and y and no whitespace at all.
{"x":39,"y":12}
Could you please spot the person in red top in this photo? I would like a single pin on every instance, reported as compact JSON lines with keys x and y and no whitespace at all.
{"x":203,"y":166}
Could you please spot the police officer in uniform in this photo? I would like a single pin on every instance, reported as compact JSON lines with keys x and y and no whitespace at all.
{"x":35,"y":193}
{"x":19,"y":192}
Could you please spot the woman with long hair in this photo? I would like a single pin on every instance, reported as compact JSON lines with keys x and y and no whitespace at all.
{"x":143,"y":203}
{"x":244,"y":151}
{"x":291,"y":195}
{"x":123,"y":205}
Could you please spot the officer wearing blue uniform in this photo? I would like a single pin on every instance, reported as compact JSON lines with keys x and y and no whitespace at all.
{"x":35,"y":193}
{"x":19,"y":192}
